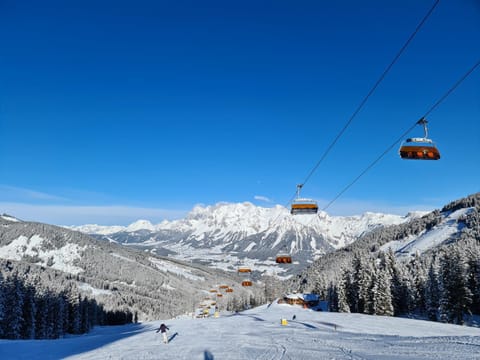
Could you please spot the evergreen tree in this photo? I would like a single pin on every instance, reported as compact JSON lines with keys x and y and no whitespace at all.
{"x":64,"y":320}
{"x":2,"y":304}
{"x":74,"y":316}
{"x":382,"y":296}
{"x":332,"y":297}
{"x":474,"y":276}
{"x":342,"y":298}
{"x":418,"y":277}
{"x":29,"y":313}
{"x":361,"y":280}
{"x":456,"y":297}
{"x":401,"y":285}
{"x":432,"y":293}
{"x":84,"y":316}
{"x":41,"y":316}
{"x":350,"y":293}
{"x":60,"y":311}
{"x":50,"y":300}
{"x":13,"y":317}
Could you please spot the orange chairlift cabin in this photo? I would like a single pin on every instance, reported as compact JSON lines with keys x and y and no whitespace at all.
{"x":303,"y":205}
{"x":419,"y":148}
{"x":223,"y":287}
{"x":244,"y":270}
{"x":246,"y":283}
{"x":283,"y":258}
{"x":229,"y":290}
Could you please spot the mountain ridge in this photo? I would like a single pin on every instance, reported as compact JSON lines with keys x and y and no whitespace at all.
{"x":228,"y":234}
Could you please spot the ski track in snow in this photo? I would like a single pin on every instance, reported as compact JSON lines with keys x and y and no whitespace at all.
{"x":257,"y":334}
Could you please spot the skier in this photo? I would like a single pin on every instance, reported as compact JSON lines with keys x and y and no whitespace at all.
{"x":163,"y":329}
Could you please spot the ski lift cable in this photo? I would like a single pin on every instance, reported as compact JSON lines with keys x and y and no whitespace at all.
{"x":441,"y":99}
{"x":467,"y":74}
{"x":363,"y":102}
{"x":372,"y":90}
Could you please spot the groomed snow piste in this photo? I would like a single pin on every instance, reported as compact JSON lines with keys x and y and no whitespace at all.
{"x":258,"y":334}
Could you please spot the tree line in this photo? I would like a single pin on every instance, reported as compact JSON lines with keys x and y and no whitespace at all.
{"x":442,"y":287}
{"x":31,"y":311}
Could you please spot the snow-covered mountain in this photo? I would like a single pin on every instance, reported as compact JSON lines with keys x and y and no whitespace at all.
{"x":226,"y":235}
{"x":224,"y":221}
{"x":116,"y":275}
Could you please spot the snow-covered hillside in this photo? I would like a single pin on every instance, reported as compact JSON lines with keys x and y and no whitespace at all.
{"x":449,"y":227}
{"x":258,"y":334}
{"x":143,"y":280}
{"x":61,"y":258}
{"x":9,"y":218}
{"x":226,"y":235}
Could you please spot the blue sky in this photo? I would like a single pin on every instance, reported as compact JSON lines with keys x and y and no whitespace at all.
{"x":117,"y":110}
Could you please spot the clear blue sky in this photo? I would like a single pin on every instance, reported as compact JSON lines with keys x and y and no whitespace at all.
{"x":112,"y":111}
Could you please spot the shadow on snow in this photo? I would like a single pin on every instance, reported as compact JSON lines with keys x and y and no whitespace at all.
{"x":68,"y":346}
{"x":172,"y":337}
{"x":256,"y":318}
{"x":207,"y":355}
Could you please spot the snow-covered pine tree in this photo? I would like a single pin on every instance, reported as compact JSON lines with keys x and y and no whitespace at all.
{"x":84,"y":316}
{"x":29,"y":313}
{"x":364,"y":281}
{"x":50,"y":304}
{"x":342,"y":300}
{"x":472,"y":250}
{"x":59,"y":307}
{"x":359,"y":294}
{"x":14,"y":297}
{"x":432,"y":292}
{"x":41,"y":315}
{"x":455,"y":296}
{"x":346,"y":279}
{"x":403,"y":301}
{"x":418,"y":270}
{"x":399,"y":292}
{"x":373,"y":289}
{"x":73,"y":305}
{"x":382,"y":296}
{"x":2,"y":304}
{"x":332,"y":297}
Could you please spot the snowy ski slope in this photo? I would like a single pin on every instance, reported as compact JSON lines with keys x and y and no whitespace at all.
{"x":258,"y":334}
